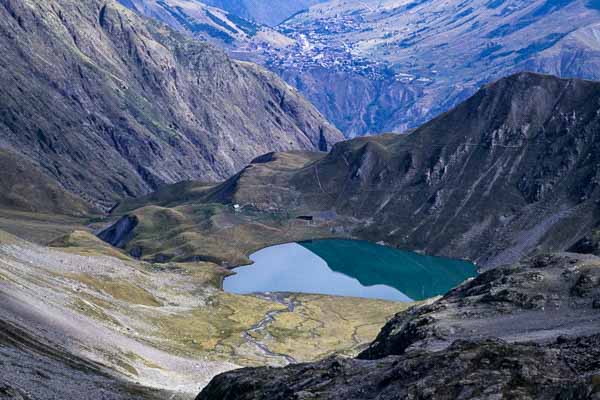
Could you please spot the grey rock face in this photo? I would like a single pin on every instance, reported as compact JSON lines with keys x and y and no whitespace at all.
{"x":515,"y":332}
{"x":119,"y":233}
{"x":466,"y":370}
{"x":112,"y":105}
{"x":9,"y":392}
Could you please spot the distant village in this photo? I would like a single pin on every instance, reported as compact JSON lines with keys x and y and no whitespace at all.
{"x":313,"y":49}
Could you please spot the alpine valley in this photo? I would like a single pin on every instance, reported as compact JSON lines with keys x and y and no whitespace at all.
{"x":373,"y":66}
{"x":151,"y":150}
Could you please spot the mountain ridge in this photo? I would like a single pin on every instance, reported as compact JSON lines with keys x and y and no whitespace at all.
{"x":112,"y":105}
{"x":509,"y":172}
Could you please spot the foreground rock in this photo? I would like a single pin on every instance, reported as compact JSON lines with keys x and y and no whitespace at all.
{"x":34,"y":369}
{"x":529,"y":331}
{"x":466,"y":370}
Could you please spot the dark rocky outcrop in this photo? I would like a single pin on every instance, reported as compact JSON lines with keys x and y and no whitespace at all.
{"x":515,"y":332}
{"x":539,"y":299}
{"x":9,"y":392}
{"x":112,"y":105}
{"x":120,"y":232}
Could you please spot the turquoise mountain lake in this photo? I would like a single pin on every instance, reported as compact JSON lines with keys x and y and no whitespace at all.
{"x":348,"y":268}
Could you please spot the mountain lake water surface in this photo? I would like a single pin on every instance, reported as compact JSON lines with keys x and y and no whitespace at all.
{"x":348,"y":268}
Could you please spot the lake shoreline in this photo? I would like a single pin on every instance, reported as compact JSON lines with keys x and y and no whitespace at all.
{"x":345,"y":267}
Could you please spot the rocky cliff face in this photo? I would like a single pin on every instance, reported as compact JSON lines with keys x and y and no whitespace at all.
{"x":467,"y":370}
{"x":112,"y":105}
{"x":528,"y":331}
{"x":511,"y":303}
{"x":359,"y":105}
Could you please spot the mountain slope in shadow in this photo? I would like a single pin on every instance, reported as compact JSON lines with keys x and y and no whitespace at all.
{"x":112,"y":105}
